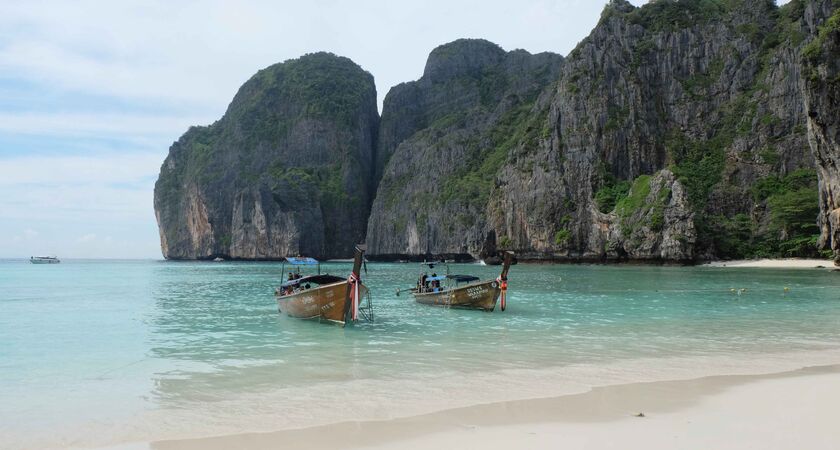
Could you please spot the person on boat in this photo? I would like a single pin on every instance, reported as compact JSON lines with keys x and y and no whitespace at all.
{"x":424,"y":285}
{"x":435,"y":283}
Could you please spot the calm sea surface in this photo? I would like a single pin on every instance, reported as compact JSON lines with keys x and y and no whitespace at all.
{"x":96,"y":353}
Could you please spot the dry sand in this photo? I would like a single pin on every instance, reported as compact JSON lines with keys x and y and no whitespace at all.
{"x":791,"y":410}
{"x":777,"y":263}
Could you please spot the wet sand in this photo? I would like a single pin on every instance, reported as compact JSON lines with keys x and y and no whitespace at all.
{"x":797,"y":409}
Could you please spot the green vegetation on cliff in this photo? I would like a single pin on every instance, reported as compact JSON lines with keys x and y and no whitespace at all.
{"x":319,"y":86}
{"x":473,"y":182}
{"x":610,"y":193}
{"x":674,"y":15}
{"x":286,"y":169}
{"x":791,"y":231}
{"x":814,"y":50}
{"x":728,"y":133}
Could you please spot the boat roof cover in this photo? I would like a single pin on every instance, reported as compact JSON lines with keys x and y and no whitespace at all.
{"x":439,"y":278}
{"x":317,"y":279}
{"x":302,"y":261}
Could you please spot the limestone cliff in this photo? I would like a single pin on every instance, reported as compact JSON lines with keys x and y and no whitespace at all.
{"x":681,"y":130}
{"x":674,"y":131}
{"x":449,"y":133}
{"x":822,"y":95}
{"x":286,"y":170}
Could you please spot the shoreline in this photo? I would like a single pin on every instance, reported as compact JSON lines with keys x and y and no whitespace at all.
{"x":768,"y":263}
{"x":720,"y":411}
{"x":771,"y":263}
{"x":428,"y":399}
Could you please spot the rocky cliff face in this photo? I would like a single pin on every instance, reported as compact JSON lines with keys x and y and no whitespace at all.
{"x":447,"y":134}
{"x":707,"y":91}
{"x":675,"y":131}
{"x":822,"y":95}
{"x":286,"y":170}
{"x":678,"y":131}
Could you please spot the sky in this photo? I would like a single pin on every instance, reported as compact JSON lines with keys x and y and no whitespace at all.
{"x":93,"y":93}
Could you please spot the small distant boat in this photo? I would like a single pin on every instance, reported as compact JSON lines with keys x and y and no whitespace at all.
{"x":462,"y":291}
{"x":44,"y":260}
{"x":218,"y":259}
{"x":322,"y":296}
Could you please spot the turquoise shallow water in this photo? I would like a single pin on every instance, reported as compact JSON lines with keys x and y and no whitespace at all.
{"x":102,"y":352}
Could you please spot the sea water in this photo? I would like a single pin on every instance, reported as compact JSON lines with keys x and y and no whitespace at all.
{"x":96,"y":353}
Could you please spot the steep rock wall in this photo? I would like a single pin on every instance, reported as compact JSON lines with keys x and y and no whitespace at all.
{"x":447,"y":133}
{"x":822,"y":97}
{"x":286,"y":170}
{"x":704,"y":96}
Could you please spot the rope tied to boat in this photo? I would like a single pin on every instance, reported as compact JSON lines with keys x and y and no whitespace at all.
{"x":354,"y":296}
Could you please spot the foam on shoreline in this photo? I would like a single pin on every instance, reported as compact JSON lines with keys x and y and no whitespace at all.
{"x":781,"y":410}
{"x":791,"y":263}
{"x":388,"y":399}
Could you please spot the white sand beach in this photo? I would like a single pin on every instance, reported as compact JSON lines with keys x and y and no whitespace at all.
{"x":796,"y":409}
{"x":791,"y":263}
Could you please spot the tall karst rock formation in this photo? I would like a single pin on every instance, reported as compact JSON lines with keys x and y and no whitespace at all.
{"x":449,"y":134}
{"x":288,"y":169}
{"x":822,"y":95}
{"x":681,"y":130}
{"x":675,"y":131}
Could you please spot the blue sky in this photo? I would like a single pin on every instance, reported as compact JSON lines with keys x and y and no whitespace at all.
{"x":93,"y":93}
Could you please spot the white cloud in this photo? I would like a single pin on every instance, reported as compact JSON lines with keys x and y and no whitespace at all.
{"x":52,"y":171}
{"x":69,"y":195}
{"x":201,"y":52}
{"x":100,"y":125}
{"x":78,"y":203}
{"x":90,"y":237}
{"x":26,"y":235}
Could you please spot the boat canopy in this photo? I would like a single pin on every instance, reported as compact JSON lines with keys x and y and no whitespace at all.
{"x":438,"y":278}
{"x":317,"y":279}
{"x":302,"y":261}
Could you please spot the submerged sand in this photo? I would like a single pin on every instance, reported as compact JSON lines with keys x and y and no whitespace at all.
{"x":792,"y":263}
{"x":796,"y":409}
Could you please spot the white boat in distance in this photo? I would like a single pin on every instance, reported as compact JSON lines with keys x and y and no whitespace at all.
{"x":44,"y":260}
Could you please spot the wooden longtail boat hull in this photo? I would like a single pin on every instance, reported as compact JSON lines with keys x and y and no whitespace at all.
{"x":482,"y":295}
{"x":323,"y":302}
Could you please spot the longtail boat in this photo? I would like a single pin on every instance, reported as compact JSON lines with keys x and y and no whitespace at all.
{"x":462,"y":291}
{"x":325,"y":297}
